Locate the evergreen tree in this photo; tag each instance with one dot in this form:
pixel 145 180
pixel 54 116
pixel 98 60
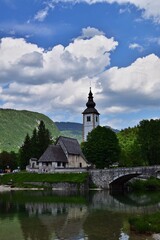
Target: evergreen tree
pixel 25 152
pixel 34 146
pixel 102 147
pixel 44 138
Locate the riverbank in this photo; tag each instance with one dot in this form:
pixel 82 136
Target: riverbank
pixel 71 181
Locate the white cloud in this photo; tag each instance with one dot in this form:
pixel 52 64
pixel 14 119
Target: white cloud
pixel 57 81
pixel 136 46
pixel 27 29
pixel 90 32
pixel 135 87
pixel 150 8
pixel 25 62
pixel 154 40
pixel 42 14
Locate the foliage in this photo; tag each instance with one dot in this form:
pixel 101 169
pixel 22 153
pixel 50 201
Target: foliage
pixel 130 148
pixel 8 160
pixel 14 125
pixel 102 147
pixel 34 146
pixel 151 184
pixel 149 140
pixel 20 178
pixel 146 223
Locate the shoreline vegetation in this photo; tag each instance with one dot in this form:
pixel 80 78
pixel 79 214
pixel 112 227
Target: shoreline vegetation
pixel 148 223
pixel 24 180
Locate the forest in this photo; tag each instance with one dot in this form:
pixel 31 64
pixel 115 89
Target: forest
pixel 104 148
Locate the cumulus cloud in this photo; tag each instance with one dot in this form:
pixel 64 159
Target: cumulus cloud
pixel 42 80
pixel 90 32
pixel 56 81
pixel 150 8
pixel 134 87
pixel 25 62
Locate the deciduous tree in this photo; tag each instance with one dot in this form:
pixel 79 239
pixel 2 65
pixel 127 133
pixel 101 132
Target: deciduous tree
pixel 102 147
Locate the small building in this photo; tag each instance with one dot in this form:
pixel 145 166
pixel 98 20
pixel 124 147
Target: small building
pixel 66 154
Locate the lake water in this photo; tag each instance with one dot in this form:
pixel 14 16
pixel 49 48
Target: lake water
pixel 58 215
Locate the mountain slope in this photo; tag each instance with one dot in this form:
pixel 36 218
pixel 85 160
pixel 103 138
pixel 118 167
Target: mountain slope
pixel 14 125
pixel 70 129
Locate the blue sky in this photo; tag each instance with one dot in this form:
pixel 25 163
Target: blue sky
pixel 52 51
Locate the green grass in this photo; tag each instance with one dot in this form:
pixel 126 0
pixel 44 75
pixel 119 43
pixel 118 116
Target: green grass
pixel 14 125
pixel 146 224
pixel 151 184
pixel 19 179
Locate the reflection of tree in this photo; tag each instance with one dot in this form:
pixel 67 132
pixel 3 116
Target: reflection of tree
pixel 33 229
pixel 70 227
pixel 103 225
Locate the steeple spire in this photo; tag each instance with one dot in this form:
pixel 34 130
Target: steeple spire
pixel 90 103
pixel 90 116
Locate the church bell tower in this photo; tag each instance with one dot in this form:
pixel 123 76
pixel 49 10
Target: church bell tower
pixel 90 116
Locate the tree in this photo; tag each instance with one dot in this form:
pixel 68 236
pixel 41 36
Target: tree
pixel 102 147
pixel 34 146
pixel 8 160
pixel 149 140
pixel 25 152
pixel 44 138
pixel 130 148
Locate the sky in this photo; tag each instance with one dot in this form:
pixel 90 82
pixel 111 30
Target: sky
pixel 53 51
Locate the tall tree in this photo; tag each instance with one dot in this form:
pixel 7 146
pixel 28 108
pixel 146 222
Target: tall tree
pixel 102 147
pixel 34 144
pixel 130 148
pixel 149 140
pixel 25 152
pixel 44 138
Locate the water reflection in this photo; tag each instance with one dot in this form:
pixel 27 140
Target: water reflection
pixel 40 215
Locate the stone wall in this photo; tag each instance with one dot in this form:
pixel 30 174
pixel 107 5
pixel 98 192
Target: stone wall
pixel 61 186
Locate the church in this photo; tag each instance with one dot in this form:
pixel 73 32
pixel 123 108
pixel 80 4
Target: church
pixel 66 154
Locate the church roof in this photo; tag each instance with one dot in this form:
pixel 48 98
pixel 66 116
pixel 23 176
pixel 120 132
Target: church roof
pixel 53 153
pixel 71 145
pixel 90 105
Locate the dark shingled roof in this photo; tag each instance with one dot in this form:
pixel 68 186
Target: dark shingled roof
pixel 53 153
pixel 90 110
pixel 71 144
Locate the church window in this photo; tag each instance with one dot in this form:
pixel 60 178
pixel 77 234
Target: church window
pixel 96 119
pixel 88 118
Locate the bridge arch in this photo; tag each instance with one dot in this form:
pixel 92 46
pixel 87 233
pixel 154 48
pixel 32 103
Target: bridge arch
pixel 119 182
pixel 117 177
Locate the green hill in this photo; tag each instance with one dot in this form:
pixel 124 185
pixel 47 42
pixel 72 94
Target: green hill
pixel 70 129
pixel 14 125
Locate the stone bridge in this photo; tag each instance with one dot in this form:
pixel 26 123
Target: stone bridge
pixel 115 178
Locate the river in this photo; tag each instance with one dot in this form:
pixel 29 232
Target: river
pixel 58 215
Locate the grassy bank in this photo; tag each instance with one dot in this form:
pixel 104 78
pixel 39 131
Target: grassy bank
pixel 151 184
pixel 146 224
pixel 19 179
